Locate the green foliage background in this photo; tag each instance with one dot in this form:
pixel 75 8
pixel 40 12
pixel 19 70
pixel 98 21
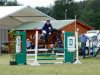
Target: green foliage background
pixel 87 11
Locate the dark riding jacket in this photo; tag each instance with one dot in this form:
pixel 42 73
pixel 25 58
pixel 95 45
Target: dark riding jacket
pixel 47 28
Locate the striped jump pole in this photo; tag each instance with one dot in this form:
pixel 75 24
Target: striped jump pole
pixel 77 53
pixel 36 49
pixel 50 57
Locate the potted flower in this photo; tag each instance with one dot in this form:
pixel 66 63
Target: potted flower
pixel 12 47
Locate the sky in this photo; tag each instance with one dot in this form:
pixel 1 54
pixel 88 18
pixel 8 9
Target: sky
pixel 35 3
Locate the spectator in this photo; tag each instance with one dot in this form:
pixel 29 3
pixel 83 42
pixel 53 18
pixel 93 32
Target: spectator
pixel 29 45
pixel 60 43
pixel 83 40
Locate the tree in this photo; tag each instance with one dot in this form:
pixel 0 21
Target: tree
pixel 90 12
pixel 61 5
pixel 8 3
pixel 2 3
pixel 95 6
pixel 45 10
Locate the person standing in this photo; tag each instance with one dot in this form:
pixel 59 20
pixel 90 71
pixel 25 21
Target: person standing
pixel 29 45
pixel 60 43
pixel 83 40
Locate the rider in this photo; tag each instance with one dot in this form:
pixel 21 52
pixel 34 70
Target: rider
pixel 47 29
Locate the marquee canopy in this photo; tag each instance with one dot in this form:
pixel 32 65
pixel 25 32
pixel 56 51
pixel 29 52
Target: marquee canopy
pixel 12 16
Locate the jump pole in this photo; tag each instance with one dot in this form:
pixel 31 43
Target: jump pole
pixel 76 38
pixel 77 53
pixel 36 49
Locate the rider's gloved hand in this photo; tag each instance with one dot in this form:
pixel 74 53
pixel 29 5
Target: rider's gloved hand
pixel 49 32
pixel 44 32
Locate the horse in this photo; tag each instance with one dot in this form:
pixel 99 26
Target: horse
pixel 51 40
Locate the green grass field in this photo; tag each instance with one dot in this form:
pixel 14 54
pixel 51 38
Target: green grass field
pixel 89 66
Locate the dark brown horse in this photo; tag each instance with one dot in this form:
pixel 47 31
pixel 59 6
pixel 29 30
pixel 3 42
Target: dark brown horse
pixel 52 39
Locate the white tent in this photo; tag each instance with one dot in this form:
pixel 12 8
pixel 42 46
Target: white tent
pixel 12 16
